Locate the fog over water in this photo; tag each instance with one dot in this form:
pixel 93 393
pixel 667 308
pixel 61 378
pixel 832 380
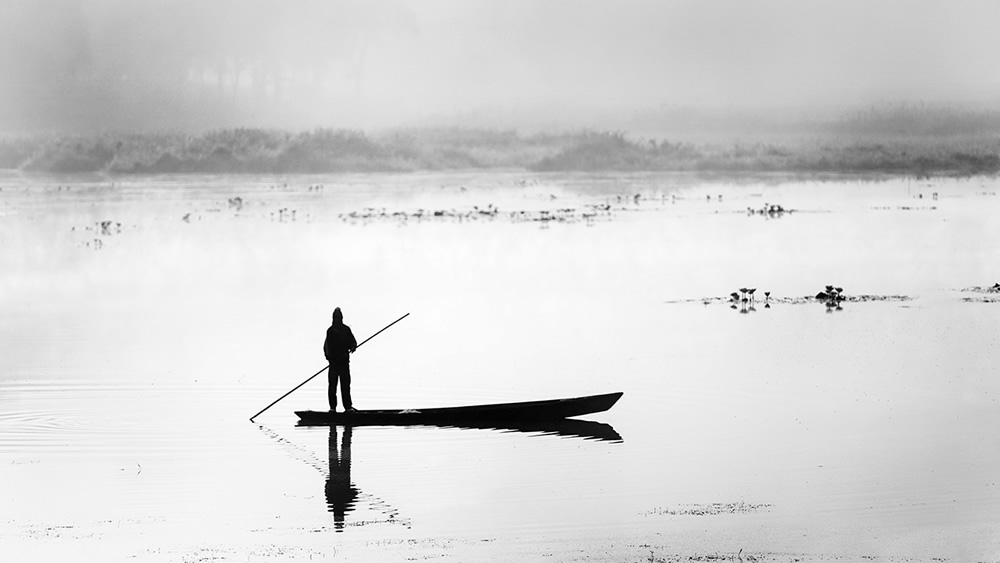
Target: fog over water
pixel 144 323
pixel 168 268
pixel 182 64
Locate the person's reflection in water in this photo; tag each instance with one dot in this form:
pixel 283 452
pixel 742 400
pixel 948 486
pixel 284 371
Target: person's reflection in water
pixel 340 493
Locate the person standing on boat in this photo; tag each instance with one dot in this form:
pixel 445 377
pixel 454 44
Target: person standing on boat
pixel 337 348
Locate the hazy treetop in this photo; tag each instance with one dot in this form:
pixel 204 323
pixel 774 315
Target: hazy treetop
pixel 86 64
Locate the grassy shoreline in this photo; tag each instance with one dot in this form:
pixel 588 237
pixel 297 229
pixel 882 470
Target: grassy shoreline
pixel 895 141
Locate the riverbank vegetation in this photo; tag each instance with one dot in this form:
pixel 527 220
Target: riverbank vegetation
pixel 893 139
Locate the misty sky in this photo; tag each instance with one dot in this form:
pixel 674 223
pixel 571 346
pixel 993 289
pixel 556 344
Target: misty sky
pixel 185 63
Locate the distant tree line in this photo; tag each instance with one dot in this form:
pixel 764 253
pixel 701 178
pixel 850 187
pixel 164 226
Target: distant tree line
pixel 82 62
pixel 262 151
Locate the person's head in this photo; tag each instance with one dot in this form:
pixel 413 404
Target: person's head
pixel 338 316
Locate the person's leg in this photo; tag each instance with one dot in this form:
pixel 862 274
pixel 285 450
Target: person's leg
pixel 345 386
pixel 331 389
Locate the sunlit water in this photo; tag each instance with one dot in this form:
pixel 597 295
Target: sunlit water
pixel 145 320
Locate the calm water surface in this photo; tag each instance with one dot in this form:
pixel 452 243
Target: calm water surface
pixel 144 320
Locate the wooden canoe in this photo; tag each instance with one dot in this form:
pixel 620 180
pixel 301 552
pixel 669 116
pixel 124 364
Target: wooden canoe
pixel 492 414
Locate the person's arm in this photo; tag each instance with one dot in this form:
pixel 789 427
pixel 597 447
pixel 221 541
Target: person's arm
pixel 354 342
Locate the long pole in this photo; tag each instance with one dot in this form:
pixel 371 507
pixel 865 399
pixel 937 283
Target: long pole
pixel 324 369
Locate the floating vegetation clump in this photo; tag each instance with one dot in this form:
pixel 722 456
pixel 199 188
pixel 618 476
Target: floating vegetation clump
pixel 98 231
pixel 905 208
pixel 832 297
pixel 990 289
pixel 987 294
pixel 745 300
pixel 769 210
pixel 712 509
pixel 587 214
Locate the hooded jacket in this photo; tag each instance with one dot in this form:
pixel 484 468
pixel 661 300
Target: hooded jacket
pixel 340 340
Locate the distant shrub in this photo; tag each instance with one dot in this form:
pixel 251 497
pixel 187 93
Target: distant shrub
pixel 600 151
pixel 325 150
pixel 870 147
pixel 14 153
pixel 72 156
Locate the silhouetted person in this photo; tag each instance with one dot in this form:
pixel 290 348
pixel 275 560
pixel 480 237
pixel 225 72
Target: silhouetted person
pixel 339 345
pixel 340 494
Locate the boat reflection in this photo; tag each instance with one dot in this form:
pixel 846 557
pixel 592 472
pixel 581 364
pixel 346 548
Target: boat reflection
pixel 342 496
pixel 567 427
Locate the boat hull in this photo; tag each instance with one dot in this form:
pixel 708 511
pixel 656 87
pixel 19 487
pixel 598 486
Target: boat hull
pixel 508 413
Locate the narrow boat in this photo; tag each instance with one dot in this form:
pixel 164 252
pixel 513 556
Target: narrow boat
pixel 505 413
